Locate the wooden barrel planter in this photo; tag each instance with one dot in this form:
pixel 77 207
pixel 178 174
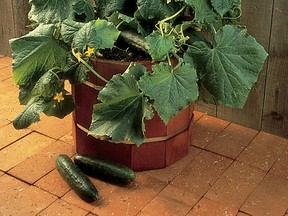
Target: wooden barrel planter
pixel 164 144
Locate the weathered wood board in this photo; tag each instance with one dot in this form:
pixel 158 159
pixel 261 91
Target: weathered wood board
pixel 275 115
pixel 13 22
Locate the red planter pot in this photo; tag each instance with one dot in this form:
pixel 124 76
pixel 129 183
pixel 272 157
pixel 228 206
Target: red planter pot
pixel 165 144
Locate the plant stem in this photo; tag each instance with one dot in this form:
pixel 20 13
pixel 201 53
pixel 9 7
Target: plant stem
pixel 173 16
pixel 119 24
pixel 234 18
pixel 89 67
pixel 179 59
pixel 161 22
pixel 93 71
pixel 191 46
pixel 169 60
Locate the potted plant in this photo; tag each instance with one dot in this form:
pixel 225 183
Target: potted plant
pixel 178 51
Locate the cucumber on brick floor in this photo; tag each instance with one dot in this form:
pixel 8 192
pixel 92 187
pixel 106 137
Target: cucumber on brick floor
pixel 76 179
pixel 96 167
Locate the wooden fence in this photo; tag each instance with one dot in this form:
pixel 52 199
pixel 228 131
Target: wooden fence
pixel 13 20
pixel 267 20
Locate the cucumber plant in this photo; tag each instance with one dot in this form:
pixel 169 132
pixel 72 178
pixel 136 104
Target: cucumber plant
pixel 217 60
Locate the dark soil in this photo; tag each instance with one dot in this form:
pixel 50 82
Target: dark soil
pixel 124 54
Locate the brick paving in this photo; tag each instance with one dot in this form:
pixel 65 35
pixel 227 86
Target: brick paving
pixel 230 171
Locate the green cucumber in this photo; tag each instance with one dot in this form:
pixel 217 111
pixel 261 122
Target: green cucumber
pixel 76 179
pixel 135 40
pixel 104 169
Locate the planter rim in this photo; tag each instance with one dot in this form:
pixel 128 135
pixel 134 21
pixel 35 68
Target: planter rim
pixel 119 62
pixel 147 139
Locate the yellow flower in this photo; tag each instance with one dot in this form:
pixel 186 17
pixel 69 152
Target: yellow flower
pixel 198 29
pixel 59 97
pixel 90 51
pixel 78 55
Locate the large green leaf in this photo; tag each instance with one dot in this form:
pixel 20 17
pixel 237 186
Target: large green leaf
pixel 53 11
pixel 105 8
pixel 122 111
pixel 36 53
pixel 50 107
pixel 137 70
pixel 222 6
pixel 30 114
pixel 203 11
pixel 50 11
pixel 60 109
pixel 25 93
pixel 98 34
pixel 69 28
pixel 128 21
pixel 156 9
pixel 83 7
pixel 230 67
pixel 47 85
pixel 171 90
pixel 75 71
pixel 159 46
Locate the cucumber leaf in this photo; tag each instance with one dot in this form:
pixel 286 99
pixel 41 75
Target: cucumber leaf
pixel 137 70
pixel 84 7
pixel 159 46
pixel 35 53
pixel 204 12
pixel 50 11
pixel 69 28
pixel 171 89
pixel 117 18
pixel 121 114
pixel 25 93
pixel 54 11
pixel 107 7
pixel 30 114
pixel 222 7
pixel 61 109
pixel 229 68
pixel 98 34
pixel 47 85
pixel 75 72
pixel 156 9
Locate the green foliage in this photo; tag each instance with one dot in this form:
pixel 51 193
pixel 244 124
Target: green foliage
pixel 84 7
pixel 50 11
pixel 98 34
pixel 122 111
pixel 160 46
pixel 222 7
pixel 204 12
pixel 230 67
pixel 34 49
pixel 171 89
pixel 106 8
pixel 199 50
pixel 30 114
pixel 156 9
pixel 60 110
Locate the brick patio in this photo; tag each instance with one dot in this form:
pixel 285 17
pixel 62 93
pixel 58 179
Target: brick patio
pixel 230 170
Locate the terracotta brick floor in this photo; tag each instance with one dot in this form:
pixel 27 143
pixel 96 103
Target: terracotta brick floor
pixel 230 170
